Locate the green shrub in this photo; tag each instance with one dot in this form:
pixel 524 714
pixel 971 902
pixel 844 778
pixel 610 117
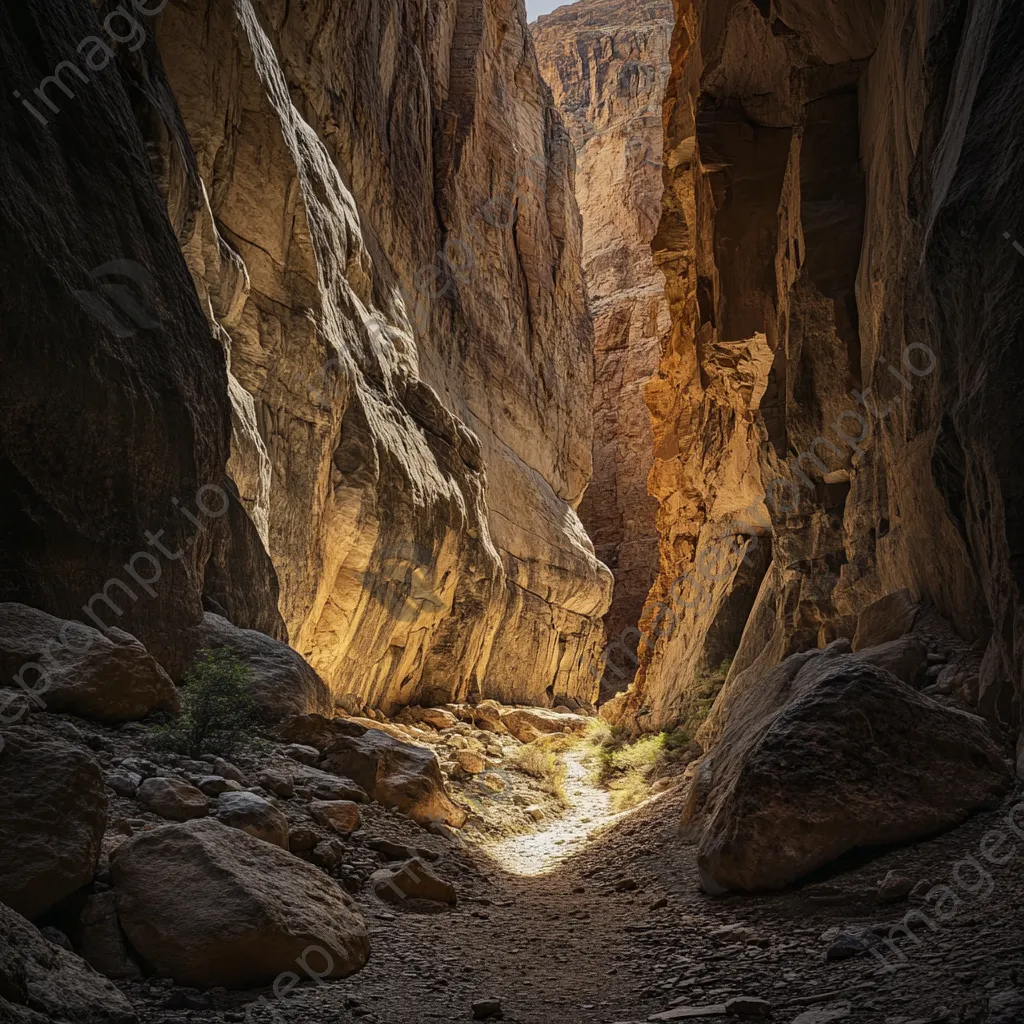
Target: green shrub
pixel 217 713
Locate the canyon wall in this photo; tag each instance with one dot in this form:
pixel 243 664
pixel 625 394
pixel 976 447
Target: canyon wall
pixel 375 203
pixel 607 62
pixel 834 413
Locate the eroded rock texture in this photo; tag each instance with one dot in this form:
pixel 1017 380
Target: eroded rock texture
pixel 834 414
pixel 607 62
pixel 375 203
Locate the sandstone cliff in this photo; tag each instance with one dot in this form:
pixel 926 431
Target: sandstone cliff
pixel 607 62
pixel 844 304
pixel 375 202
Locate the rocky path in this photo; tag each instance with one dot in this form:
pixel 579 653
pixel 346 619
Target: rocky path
pixel 616 931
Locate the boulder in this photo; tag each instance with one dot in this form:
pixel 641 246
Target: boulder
pixel 101 942
pixel 173 799
pixel 437 718
pixel 214 785
pixel 213 906
pixel 301 753
pixel 338 815
pixel 279 783
pixel 316 731
pixel 395 774
pixel 906 658
pixel 282 682
pixel 413 880
pixel 108 676
pixel 526 724
pixel 254 815
pixel 470 761
pixel 886 619
pixel 53 809
pixel 39 976
pixel 835 755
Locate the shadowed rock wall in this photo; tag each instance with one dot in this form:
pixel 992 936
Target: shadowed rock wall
pixel 607 62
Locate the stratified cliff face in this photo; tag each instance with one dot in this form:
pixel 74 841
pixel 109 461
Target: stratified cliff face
pixel 607 62
pixel 835 412
pixel 375 202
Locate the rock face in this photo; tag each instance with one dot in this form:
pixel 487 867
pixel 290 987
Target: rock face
pixel 215 906
pixel 406 333
pixel 57 985
pixel 319 361
pixel 834 410
pixel 607 62
pixel 71 667
pixel 829 753
pixel 53 811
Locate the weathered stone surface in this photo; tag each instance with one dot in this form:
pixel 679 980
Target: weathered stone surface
pixel 71 667
pixel 607 62
pixel 100 941
pixel 254 815
pixel 831 425
pixel 281 682
pixel 338 815
pixel 215 906
pixel 413 880
pixel 419 506
pixel 886 619
pixel 173 799
pixel 395 774
pixel 830 753
pixel 53 809
pixel 50 983
pixel 528 723
pixel 438 718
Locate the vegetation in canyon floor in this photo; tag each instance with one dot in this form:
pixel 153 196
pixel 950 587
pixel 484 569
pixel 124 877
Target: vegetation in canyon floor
pixel 217 713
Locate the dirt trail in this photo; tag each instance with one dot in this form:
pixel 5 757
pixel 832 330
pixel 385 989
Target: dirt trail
pixel 590 809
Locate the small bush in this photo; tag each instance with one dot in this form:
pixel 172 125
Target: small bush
pixel 539 760
pixel 217 713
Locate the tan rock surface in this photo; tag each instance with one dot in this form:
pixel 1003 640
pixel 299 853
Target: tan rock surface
pixel 831 425
pixel 215 906
pixel 607 62
pixel 408 442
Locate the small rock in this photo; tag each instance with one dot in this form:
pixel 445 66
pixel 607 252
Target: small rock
pixel 851 944
pixel 921 889
pixel 302 753
pixel 747 1006
pixel 172 799
pixel 626 885
pixel 227 770
pixel 301 840
pixel 824 1014
pixel 894 887
pixel 486 1009
pixel 470 761
pixel 214 785
pixel 123 783
pixel 495 783
pixel 329 854
pixel 57 937
pixel 535 811
pixel 279 783
pixel 339 815
pixel 253 814
pixel 412 880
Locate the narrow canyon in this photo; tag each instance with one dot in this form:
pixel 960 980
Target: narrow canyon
pixel 511 511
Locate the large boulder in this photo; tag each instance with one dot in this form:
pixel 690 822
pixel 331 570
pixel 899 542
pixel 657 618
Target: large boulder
pixel 526 724
pixel 282 682
pixel 100 941
pixel 71 667
pixel 831 753
pixel 41 981
pixel 886 619
pixel 395 774
pixel 214 906
pixel 53 809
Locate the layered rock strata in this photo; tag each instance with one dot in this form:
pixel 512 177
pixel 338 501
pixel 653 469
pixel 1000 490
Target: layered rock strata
pixel 833 413
pixel 607 62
